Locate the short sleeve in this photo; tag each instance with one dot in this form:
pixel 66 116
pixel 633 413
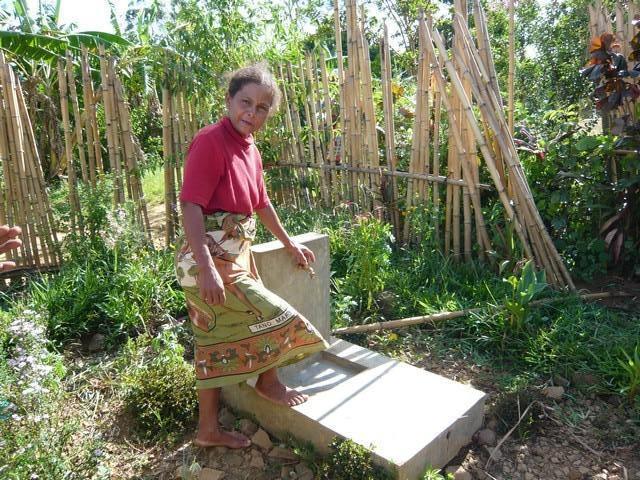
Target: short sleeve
pixel 263 198
pixel 204 167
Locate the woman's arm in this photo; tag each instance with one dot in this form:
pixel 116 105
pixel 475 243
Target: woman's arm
pixel 209 281
pixel 269 218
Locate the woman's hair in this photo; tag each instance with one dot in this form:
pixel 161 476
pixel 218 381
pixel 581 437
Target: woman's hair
pixel 256 73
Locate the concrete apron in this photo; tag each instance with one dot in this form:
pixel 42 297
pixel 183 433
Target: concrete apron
pixel 409 418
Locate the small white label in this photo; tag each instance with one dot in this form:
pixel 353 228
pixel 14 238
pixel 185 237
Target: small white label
pixel 274 322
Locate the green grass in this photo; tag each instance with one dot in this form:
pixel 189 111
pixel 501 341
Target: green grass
pixel 153 186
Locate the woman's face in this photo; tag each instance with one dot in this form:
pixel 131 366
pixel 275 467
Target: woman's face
pixel 249 108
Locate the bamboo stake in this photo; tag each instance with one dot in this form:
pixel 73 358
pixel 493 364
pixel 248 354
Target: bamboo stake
pixel 16 146
pixel 169 183
pixel 436 158
pixel 74 200
pixel 314 131
pixel 438 317
pixel 328 115
pixel 89 114
pixel 112 137
pixel 133 172
pixel 77 119
pixel 547 254
pixel 416 176
pixel 512 65
pixel 47 232
pixel 390 145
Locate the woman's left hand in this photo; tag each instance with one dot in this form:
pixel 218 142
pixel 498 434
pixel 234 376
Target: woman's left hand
pixel 302 256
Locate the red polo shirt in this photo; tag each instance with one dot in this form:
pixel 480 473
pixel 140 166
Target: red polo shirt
pixel 223 171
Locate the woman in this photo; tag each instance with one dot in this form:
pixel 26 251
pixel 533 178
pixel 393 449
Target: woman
pixel 241 328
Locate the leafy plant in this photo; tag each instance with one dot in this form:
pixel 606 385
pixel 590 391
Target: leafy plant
pixel 631 366
pixel 435 474
pixel 368 258
pixel 158 386
pixel 523 290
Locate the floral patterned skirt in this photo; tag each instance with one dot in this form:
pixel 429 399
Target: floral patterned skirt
pixel 255 330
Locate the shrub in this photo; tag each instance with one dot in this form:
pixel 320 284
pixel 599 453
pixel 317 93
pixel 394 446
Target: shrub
pixel 158 386
pixel 38 439
pixel 112 281
pixel 369 258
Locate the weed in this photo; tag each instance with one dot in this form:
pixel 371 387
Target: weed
pixel 523 290
pixel 350 461
pixel 435 474
pixel 630 385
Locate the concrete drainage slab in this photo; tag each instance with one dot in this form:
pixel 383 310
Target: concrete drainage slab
pixel 409 418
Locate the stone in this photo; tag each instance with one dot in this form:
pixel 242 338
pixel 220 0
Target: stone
pixel 458 472
pixel 96 343
pixel 283 454
pixel 226 418
pixel 554 393
pixel 286 471
pixel 247 427
pixel 560 381
pixel 530 476
pixel 574 474
pixel 491 423
pixel 261 439
pixel 256 460
pixel 211 474
pixel 486 436
pixel 234 460
pixel 302 470
pixel 584 379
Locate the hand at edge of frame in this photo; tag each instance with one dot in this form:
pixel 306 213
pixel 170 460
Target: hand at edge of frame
pixel 8 241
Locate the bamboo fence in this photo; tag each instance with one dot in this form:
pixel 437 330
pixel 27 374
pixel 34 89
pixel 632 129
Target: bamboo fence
pixel 179 125
pixel 24 200
pixel 83 136
pixel 342 156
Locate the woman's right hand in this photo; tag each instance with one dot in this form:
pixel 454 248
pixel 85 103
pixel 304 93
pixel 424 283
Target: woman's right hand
pixel 211 286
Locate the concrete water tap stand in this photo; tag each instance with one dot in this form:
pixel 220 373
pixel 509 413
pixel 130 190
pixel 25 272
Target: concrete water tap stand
pixel 409 418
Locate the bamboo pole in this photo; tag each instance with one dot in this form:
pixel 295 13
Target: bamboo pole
pixel 291 147
pixel 436 158
pixel 74 200
pixel 47 232
pixel 416 176
pixel 15 132
pixel 523 200
pixel 512 65
pixel 439 317
pixel 334 192
pixel 111 130
pixel 133 172
pixel 390 144
pixel 297 131
pixel 314 131
pixel 89 114
pixel 77 118
pixel 169 182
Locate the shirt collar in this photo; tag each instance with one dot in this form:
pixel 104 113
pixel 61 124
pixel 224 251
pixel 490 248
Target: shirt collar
pixel 243 141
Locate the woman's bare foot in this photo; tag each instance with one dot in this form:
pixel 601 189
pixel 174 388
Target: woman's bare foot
pixel 222 438
pixel 270 387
